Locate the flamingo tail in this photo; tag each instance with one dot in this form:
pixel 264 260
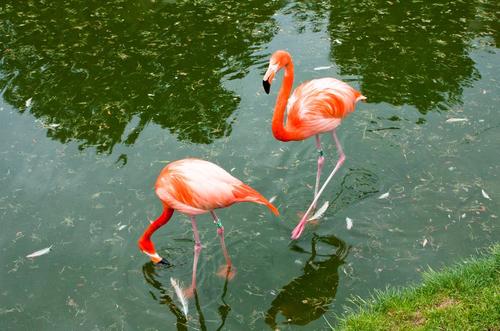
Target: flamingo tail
pixel 271 207
pixel 248 194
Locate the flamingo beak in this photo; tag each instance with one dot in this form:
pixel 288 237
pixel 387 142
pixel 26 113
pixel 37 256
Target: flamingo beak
pixel 156 259
pixel 269 76
pixel 267 86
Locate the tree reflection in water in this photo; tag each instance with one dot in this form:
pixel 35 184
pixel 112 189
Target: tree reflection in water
pixel 91 68
pixel 406 52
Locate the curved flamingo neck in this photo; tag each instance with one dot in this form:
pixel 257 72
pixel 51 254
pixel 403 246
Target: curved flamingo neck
pixel 279 130
pixel 160 221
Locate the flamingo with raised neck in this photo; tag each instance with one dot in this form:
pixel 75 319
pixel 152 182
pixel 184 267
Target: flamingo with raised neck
pixel 315 107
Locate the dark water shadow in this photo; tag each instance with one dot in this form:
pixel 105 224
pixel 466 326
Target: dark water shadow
pixel 357 185
pixel 151 276
pixel 99 72
pixel 307 297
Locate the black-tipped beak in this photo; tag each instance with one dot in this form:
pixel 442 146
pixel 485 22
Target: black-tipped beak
pixel 267 86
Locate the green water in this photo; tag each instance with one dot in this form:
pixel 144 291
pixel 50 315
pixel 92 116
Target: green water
pixel 96 99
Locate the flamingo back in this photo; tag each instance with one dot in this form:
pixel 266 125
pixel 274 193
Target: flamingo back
pixel 194 186
pixel 319 105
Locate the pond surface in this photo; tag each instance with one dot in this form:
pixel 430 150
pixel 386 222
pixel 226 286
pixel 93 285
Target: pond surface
pixel 97 99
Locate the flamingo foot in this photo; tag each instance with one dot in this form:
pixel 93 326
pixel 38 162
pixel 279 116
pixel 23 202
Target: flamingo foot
pixel 314 222
pixel 189 292
pixel 298 229
pixel 226 271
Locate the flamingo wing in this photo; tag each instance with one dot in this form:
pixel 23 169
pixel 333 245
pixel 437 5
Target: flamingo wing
pixel 194 186
pixel 319 105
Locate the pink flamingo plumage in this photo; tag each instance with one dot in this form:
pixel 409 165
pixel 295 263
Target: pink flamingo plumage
pixel 315 107
pixel 194 187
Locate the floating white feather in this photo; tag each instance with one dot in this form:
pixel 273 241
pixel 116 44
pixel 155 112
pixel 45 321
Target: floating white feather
pixel 384 196
pixel 485 195
pixel 272 198
pixel 180 295
pixel 322 68
pixel 348 222
pixel 454 120
pixel 317 215
pixel 40 252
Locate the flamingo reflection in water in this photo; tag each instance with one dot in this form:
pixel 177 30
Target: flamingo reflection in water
pixel 151 276
pixel 307 297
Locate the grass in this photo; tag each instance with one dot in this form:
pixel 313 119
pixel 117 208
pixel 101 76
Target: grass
pixel 463 297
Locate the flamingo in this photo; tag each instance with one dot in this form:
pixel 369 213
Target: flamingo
pixel 315 107
pixel 193 187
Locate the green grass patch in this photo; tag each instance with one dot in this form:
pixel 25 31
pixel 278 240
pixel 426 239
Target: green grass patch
pixel 463 297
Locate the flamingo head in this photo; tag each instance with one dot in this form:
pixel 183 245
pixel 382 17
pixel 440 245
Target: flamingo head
pixel 147 247
pixel 278 60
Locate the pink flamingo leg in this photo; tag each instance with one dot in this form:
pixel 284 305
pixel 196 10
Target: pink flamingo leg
pixel 197 249
pixel 300 227
pixel 225 271
pixel 321 161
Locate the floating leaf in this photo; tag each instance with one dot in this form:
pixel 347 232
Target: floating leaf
pixel 485 195
pixel 384 196
pixel 319 212
pixel 180 295
pixel 348 222
pixel 454 120
pixel 40 252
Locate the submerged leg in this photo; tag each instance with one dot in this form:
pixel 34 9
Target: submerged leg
pixel 225 271
pixel 145 243
pixel 300 227
pixel 321 161
pixel 197 249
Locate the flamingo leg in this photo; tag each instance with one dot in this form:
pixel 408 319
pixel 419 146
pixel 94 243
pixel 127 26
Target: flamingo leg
pixel 300 227
pixel 197 249
pixel 226 271
pixel 321 161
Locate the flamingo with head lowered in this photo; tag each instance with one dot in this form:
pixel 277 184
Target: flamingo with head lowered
pixel 315 107
pixel 194 187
